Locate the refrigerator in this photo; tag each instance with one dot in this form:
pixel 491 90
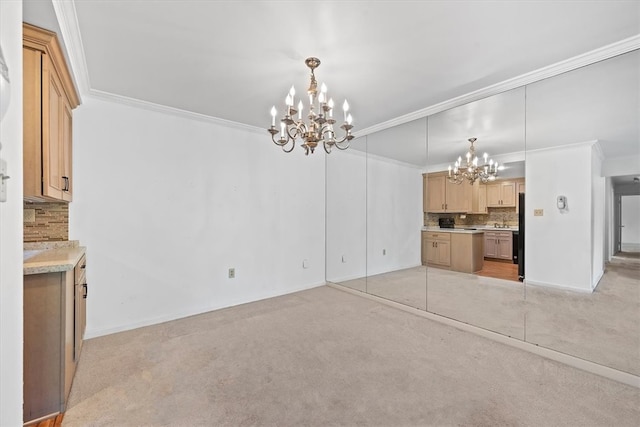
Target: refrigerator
pixel 521 237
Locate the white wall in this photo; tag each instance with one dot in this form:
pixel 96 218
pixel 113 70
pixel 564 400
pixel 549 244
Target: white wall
pixel 165 205
pixel 609 220
pixel 394 215
pixel 373 204
pixel 11 223
pixel 346 215
pixel 556 244
pixel 597 216
pixel 631 222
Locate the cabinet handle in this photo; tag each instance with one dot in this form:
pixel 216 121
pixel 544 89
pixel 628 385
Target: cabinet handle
pixel 83 266
pixel 86 291
pixel 66 183
pixel 443 206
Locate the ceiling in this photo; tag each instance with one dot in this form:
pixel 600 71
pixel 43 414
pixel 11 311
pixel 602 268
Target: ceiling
pixel 393 60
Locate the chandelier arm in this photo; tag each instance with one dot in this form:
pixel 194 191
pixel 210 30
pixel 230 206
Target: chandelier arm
pixel 341 145
pixel 327 147
pixel 279 142
pixel 293 145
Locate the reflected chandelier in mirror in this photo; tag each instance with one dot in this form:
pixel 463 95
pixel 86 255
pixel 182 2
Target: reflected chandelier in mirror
pixel 471 171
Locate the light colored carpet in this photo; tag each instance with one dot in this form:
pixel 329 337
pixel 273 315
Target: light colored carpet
pixel 602 327
pixel 324 357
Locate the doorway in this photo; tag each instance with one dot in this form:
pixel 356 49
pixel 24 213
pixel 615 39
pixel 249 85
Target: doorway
pixel 629 224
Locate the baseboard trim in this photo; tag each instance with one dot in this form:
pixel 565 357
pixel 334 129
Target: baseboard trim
pixel 95 333
pixel 575 362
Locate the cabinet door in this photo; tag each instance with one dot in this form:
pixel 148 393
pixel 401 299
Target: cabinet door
pixel 65 154
pixel 505 248
pixel 443 250
pixel 458 197
pixel 482 199
pixel 436 194
pixel 490 245
pixel 43 350
pixel 52 123
pixel 79 319
pixel 425 251
pixel 508 194
pixel 494 195
pixel 432 252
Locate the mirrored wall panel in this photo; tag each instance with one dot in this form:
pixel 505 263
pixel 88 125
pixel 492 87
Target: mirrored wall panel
pixel 396 159
pixel 346 216
pixel 545 247
pixel 472 201
pixel 583 151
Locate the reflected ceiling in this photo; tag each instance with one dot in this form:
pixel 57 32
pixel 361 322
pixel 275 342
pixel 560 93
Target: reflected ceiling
pixel 234 59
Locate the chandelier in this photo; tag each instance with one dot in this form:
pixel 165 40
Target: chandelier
pixel 471 171
pixel 319 126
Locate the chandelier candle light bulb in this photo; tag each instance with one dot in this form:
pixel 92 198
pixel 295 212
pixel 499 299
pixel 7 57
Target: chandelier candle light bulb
pixel 319 127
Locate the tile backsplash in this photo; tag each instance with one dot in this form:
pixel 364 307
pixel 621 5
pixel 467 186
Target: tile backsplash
pixel 45 222
pixel 508 215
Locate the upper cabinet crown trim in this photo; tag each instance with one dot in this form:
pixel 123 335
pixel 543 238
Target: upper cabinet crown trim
pixel 47 42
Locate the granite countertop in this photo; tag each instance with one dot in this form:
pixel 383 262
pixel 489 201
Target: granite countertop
pixel 51 257
pixel 467 229
pixel 453 230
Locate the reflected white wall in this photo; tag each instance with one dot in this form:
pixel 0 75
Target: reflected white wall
pixel 559 245
pixel 394 215
pixel 346 193
pixel 597 216
pixel 630 206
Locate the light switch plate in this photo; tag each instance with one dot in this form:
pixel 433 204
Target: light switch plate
pixel 538 212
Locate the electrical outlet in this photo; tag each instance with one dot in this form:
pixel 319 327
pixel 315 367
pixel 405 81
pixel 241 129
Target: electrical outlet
pixel 538 212
pixel 232 273
pixel 344 258
pixel 384 252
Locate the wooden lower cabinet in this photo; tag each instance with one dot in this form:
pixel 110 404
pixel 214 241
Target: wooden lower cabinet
pixel 498 245
pixel 453 250
pixel 437 248
pixel 467 252
pixel 54 322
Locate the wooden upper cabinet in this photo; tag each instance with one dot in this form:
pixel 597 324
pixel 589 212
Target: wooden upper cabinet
pixel 501 194
pixel 49 98
pixel 435 193
pixel 479 198
pixel 459 196
pixel 443 196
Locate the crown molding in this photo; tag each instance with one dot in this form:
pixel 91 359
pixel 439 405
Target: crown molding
pixel 606 52
pixel 591 143
pixel 68 20
pixel 159 108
